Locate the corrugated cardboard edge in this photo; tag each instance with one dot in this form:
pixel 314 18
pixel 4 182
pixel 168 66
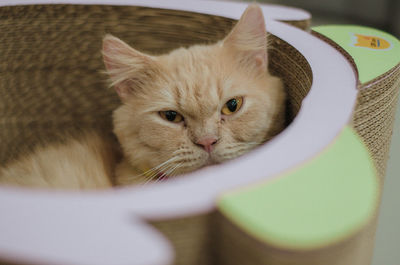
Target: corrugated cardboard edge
pixel 373 120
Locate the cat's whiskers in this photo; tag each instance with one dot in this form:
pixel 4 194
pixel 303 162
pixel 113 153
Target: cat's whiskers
pixel 158 175
pixel 170 172
pixel 164 169
pixel 151 173
pixel 172 159
pixel 173 174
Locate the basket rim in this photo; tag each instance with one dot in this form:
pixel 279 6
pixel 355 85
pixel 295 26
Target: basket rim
pixel 225 9
pixel 327 109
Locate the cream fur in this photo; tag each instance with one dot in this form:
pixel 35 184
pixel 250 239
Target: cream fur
pixel 195 82
pixel 87 163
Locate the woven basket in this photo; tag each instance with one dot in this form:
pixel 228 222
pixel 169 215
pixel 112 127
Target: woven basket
pixel 51 81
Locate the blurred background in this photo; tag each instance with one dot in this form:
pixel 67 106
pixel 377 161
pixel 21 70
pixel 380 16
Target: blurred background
pixel 383 15
pixel 380 14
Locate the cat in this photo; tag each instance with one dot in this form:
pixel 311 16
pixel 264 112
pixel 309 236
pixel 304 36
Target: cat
pixel 180 111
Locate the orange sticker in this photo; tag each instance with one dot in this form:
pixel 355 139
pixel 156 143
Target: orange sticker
pixel 370 42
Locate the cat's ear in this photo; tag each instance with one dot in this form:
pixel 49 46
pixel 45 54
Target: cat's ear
pixel 248 39
pixel 128 68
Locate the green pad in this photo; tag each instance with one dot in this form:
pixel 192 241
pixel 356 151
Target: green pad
pixel 374 52
pixel 322 202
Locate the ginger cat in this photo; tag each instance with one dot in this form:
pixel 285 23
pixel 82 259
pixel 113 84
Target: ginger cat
pixel 181 111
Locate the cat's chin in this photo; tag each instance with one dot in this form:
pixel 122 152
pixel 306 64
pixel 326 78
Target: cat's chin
pixel 211 161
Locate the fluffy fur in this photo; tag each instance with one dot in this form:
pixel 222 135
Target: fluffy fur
pixel 195 82
pixel 79 164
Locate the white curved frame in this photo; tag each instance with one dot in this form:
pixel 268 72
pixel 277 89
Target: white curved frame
pixel 106 227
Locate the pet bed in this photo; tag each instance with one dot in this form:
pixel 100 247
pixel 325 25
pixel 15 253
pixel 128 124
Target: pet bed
pixel 309 196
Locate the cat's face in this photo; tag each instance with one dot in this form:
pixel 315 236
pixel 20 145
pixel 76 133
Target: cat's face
pixel 195 106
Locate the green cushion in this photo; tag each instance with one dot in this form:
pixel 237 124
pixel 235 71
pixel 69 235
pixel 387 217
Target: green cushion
pixel 321 202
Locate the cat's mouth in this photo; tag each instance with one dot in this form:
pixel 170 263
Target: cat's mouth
pixel 209 161
pixel 162 176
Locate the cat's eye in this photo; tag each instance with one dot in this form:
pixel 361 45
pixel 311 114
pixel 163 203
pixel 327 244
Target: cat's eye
pixel 171 116
pixel 232 106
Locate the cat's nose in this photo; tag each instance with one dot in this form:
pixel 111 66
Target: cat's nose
pixel 207 143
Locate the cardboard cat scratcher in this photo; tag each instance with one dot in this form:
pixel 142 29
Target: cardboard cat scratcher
pixel 310 196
